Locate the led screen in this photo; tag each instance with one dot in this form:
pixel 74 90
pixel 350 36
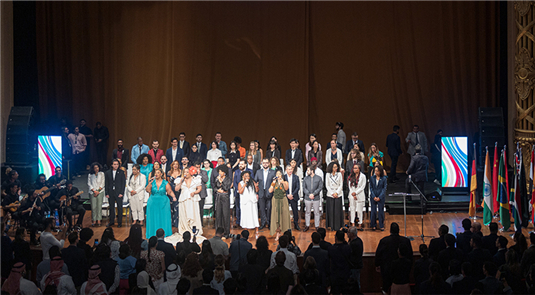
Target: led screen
pixel 454 161
pixel 49 154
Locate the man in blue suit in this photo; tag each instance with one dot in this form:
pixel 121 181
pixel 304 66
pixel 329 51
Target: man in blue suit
pixel 201 147
pixel 263 179
pixel 292 193
pixel 174 153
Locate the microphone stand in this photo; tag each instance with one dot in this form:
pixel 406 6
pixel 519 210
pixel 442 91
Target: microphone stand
pixel 422 199
pixel 404 195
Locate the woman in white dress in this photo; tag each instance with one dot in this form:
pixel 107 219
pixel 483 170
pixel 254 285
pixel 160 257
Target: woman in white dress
pixel 248 202
pixel 357 183
pixel 188 202
pixel 95 182
pixel 135 189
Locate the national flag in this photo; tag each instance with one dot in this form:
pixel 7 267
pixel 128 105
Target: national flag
pixel 505 216
pixel 512 196
pixel 505 169
pixel 495 200
pixel 487 192
pixel 473 186
pixel 522 191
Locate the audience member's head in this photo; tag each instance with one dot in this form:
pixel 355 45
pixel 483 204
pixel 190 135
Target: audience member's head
pixel 124 251
pixel 490 269
pixel 107 236
pixel 280 258
pixel 394 228
pixel 352 233
pixel 283 241
pixel 493 227
pixel 310 263
pixel 455 267
pixel 207 276
pixel 502 242
pixel 476 242
pixel 245 234
pixel 404 251
pixel 230 286
pixel 476 227
pixel 316 238
pixel 86 234
pixel 141 264
pixel 450 240
pixel 160 233
pixel 323 232
pixel 467 224
pixel 102 252
pixel 219 231
pixel 424 251
pixel 252 256
pixel 511 257
pixel 310 276
pixel 183 286
pixel 73 238
pixel 262 244
pixel 443 229
pixel 186 236
pixel 54 251
pixel 191 266
pixel 339 236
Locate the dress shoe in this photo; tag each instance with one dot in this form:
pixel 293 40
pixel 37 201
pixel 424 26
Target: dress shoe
pixel 262 227
pixel 119 225
pixel 373 228
pixel 306 229
pixel 297 227
pixel 110 224
pixel 383 229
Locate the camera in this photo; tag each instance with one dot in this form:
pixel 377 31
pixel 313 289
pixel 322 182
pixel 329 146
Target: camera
pixel 194 230
pixel 345 229
pixel 234 236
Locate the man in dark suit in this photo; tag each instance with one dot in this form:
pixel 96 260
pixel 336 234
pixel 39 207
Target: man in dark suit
pixel 206 289
pixel 263 179
pixel 201 147
pixel 438 244
pixel 357 249
pixel 252 166
pixel 393 143
pixel 489 242
pixel 292 193
pixel 499 257
pixel 166 166
pixel 203 194
pixel 115 184
pixel 417 170
pixel 448 254
pixel 387 252
pixel 491 285
pixel 463 239
pixel 294 153
pixel 121 153
pixel 340 269
pixel 75 260
pixel 351 143
pixel 166 248
pixel 478 256
pixel 155 152
pixel 321 256
pixel 183 144
pixel 174 153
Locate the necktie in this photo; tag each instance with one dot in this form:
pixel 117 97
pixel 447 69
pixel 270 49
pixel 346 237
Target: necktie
pixel 417 141
pixel 140 149
pixel 198 145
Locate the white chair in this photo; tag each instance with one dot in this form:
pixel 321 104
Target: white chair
pixel 208 203
pixel 231 198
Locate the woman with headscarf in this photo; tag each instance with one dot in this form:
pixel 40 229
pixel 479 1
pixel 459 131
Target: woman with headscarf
pixel 93 286
pixel 143 286
pixel 188 202
pixel 173 275
pixel 17 284
pixel 57 280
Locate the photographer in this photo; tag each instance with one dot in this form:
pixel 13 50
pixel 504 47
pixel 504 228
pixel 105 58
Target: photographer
pixel 292 246
pixel 238 251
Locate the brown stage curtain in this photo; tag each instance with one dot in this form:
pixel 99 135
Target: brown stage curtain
pixel 257 69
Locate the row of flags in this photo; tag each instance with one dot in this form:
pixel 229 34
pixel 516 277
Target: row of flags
pixel 500 196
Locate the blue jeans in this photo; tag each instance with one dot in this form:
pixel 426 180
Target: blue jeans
pixel 377 208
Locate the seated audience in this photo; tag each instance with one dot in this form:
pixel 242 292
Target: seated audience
pixel 172 274
pixel 206 288
pixel 93 286
pixel 75 260
pixel 127 266
pixel 17 284
pixel 21 249
pixel 155 262
pixel 193 271
pixel 220 275
pixel 55 281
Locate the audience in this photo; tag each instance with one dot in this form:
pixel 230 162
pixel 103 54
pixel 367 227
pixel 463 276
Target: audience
pixel 338 255
pixel 206 288
pixel 252 273
pixel 421 267
pixel 468 283
pixel 321 257
pixel 520 245
pixel 193 271
pixel 93 286
pixel 478 256
pixel 166 248
pixel 490 284
pixel 135 240
pixel 455 272
pixel 108 238
pixel 206 258
pixel 110 273
pixel 357 249
pixel 528 258
pixel 172 275
pixel 448 254
pixel 323 244
pixel 489 242
pixel 17 284
pixel 55 281
pixel 218 245
pixel 127 266
pixel 463 239
pixel 511 272
pixel 85 235
pixel 44 266
pixel 155 262
pixel 238 252
pixel 264 254
pixel 220 275
pixel 279 274
pixel 435 284
pixel 401 270
pixel 184 248
pixel 438 244
pixel 499 257
pixel 75 260
pixel 290 261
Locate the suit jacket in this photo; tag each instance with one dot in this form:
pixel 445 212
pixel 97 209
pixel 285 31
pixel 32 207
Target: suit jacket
pixel 393 143
pixel 155 157
pixel 499 258
pixel 185 148
pixel 422 141
pixel 463 241
pixel 378 190
pixel 256 167
pixel 387 250
pixel 166 168
pixel 76 261
pixel 294 190
pixel 323 264
pixel 169 155
pixel 203 150
pixel 349 167
pixel 298 157
pixel 263 192
pixel 349 146
pixel 270 154
pixel 119 182
pixel 312 186
pixel 124 159
pixel 435 246
pixel 168 250
pixel 418 168
pixel 339 157
pixel 489 243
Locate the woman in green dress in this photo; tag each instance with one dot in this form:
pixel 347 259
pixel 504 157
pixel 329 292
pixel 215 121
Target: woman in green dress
pixel 280 212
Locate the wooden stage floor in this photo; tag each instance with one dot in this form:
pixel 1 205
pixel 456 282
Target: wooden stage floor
pixel 370 238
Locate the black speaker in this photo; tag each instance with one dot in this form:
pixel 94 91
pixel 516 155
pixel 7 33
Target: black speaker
pixel 20 140
pixel 434 196
pixel 491 131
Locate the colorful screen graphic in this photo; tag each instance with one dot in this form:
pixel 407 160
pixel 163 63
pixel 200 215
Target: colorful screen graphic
pixel 454 161
pixel 49 154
